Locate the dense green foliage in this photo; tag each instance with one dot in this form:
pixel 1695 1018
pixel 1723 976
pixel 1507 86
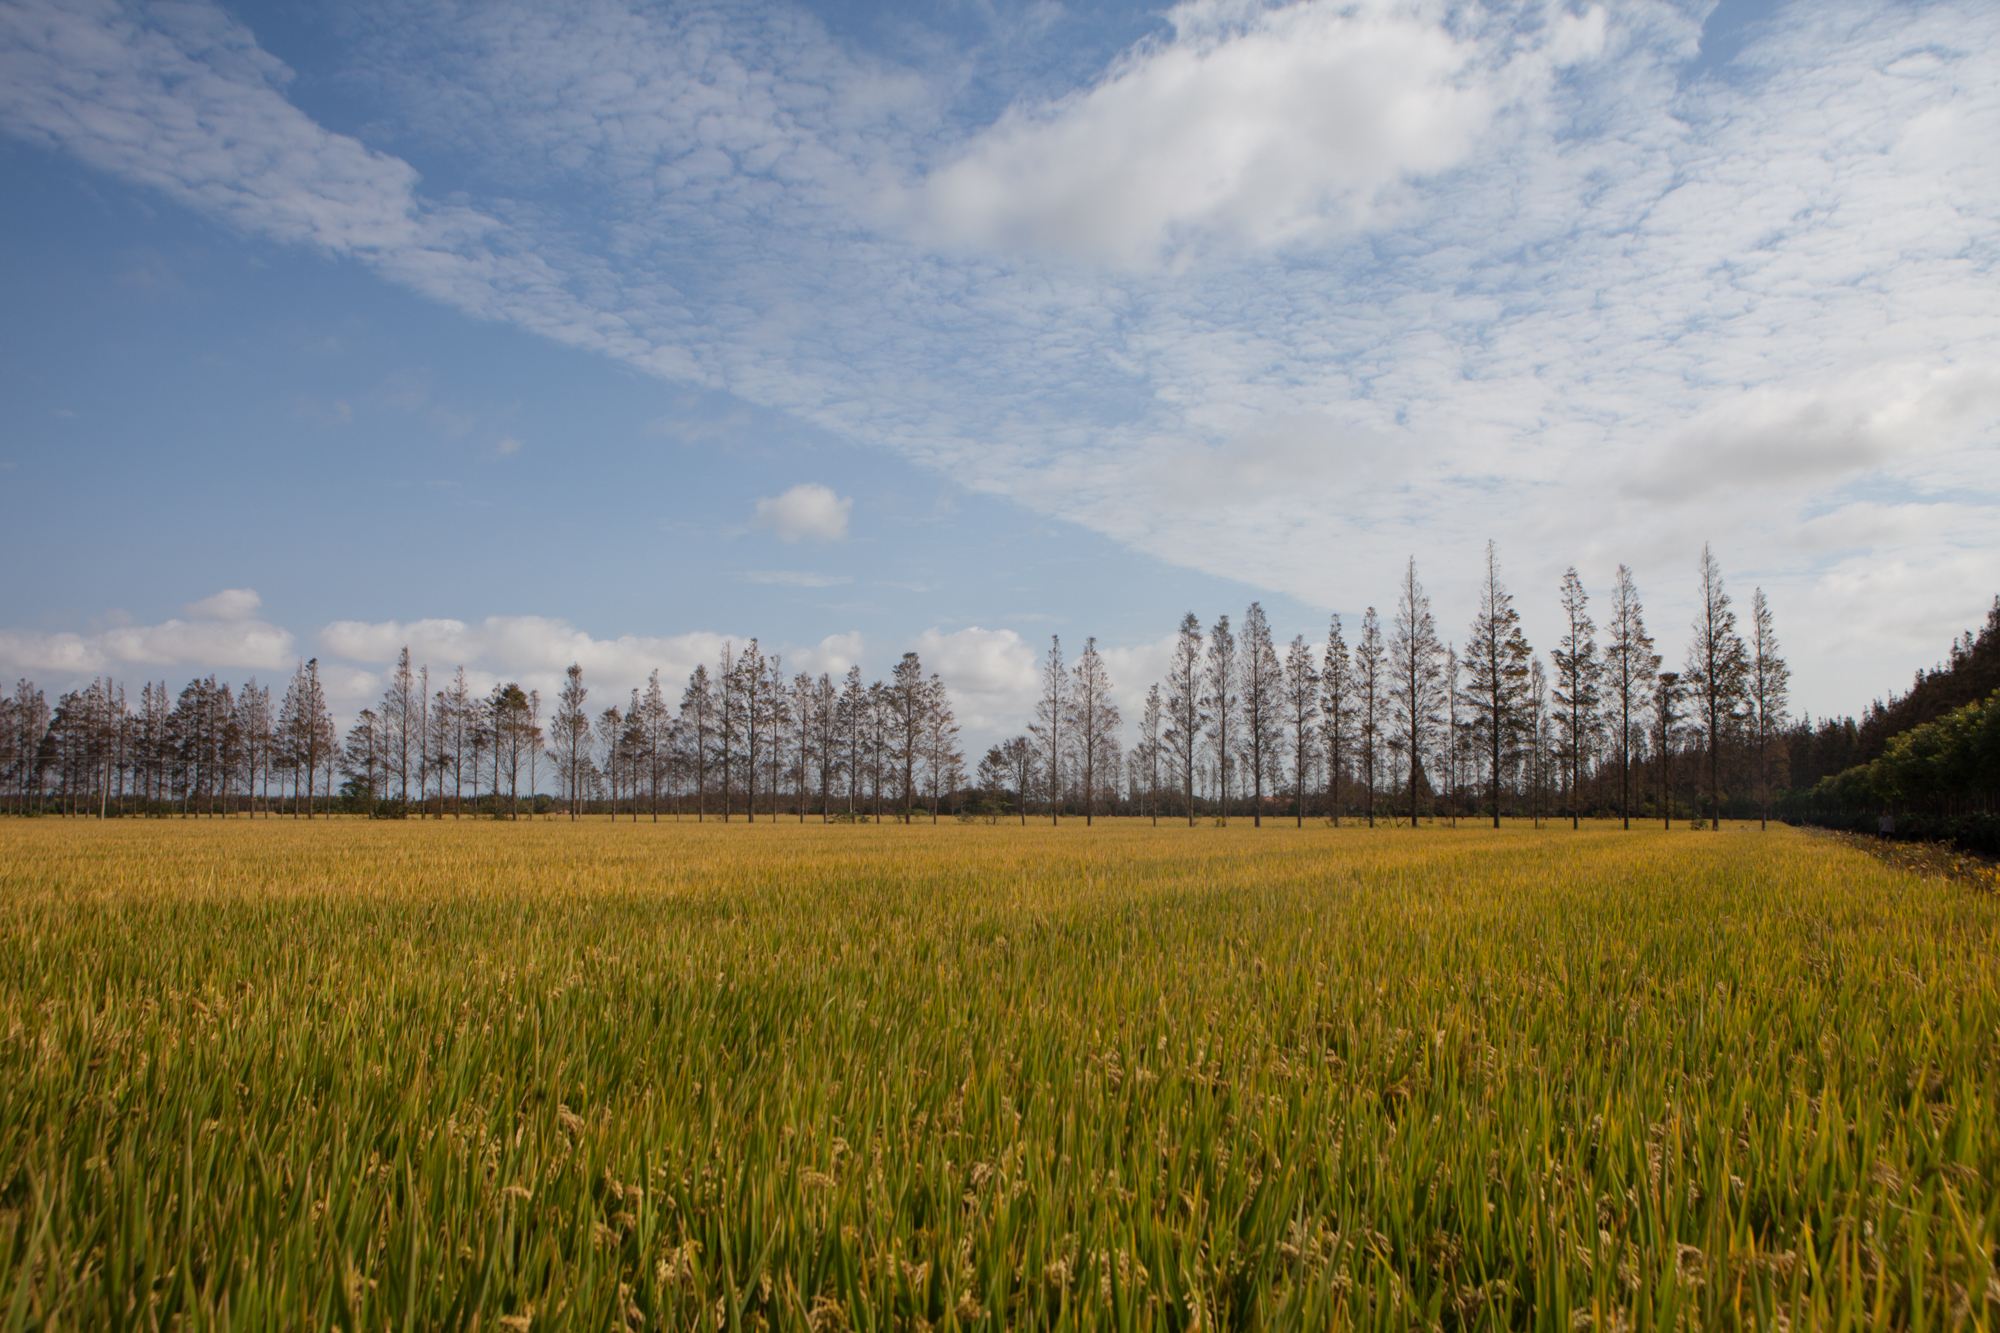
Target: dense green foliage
pixel 1940 778
pixel 605 1076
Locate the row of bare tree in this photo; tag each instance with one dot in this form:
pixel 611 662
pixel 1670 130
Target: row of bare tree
pixel 846 749
pixel 1404 715
pixel 93 753
pixel 742 738
pixel 1399 722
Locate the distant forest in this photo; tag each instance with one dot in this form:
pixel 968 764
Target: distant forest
pixel 1398 725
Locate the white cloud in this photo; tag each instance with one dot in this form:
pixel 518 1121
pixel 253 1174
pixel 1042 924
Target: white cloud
pixel 229 604
pixel 806 510
pixel 181 98
pixel 992 676
pixel 223 635
pixel 832 655
pixel 1251 124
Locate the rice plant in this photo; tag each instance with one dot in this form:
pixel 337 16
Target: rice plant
pixel 596 1076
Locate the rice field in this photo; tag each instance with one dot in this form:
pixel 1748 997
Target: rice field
pixel 553 1076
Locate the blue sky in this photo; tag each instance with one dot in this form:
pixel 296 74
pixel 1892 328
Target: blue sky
pixel 605 332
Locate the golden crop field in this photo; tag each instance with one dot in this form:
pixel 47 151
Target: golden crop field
pixel 549 1076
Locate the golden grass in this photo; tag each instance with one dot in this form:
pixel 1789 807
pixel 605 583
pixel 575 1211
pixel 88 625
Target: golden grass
pixel 549 1075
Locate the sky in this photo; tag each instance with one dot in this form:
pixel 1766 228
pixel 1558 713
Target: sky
pixel 524 334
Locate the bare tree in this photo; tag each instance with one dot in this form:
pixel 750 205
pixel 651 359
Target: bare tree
pixel 632 748
pixel 515 739
pixel 1371 688
pixel 307 730
pixel 569 730
pixel 398 720
pixel 367 751
pixel 254 720
pixel 1149 749
pixel 1497 657
pixel 443 744
pixel 698 728
pixel 1262 692
pixel 1769 694
pixel 826 726
pixel 1223 703
pixel 1051 720
pixel 728 721
pixel 1576 694
pixel 657 723
pixel 1453 736
pixel 1630 665
pixel 876 718
pixel 1336 680
pixel 1665 695
pixel 1301 700
pixel 1185 713
pixel 1716 667
pixel 610 735
pixel 752 689
pixel 155 753
pixel 1538 737
pixel 1416 658
pixel 804 696
pixel 854 726
pixel 766 716
pixel 478 742
pixel 906 699
pixel 528 723
pixel 944 761
pixel 1022 756
pixel 1093 724
pixel 425 755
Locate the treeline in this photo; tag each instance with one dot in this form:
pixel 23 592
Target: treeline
pixel 1924 765
pixel 1401 724
pixel 741 739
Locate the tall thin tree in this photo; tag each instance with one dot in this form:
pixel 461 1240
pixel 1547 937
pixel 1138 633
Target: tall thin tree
pixel 1301 697
pixel 698 731
pixel 1223 703
pixel 658 722
pixel 1050 727
pixel 1149 748
pixel 1093 724
pixel 1578 670
pixel 1416 658
pixel 1023 757
pixel 1666 693
pixel 1769 682
pixel 569 729
pixel 906 697
pixel 1186 715
pixel 1716 667
pixel 1262 693
pixel 1630 665
pixel 1496 661
pixel 1336 679
pixel 1371 686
